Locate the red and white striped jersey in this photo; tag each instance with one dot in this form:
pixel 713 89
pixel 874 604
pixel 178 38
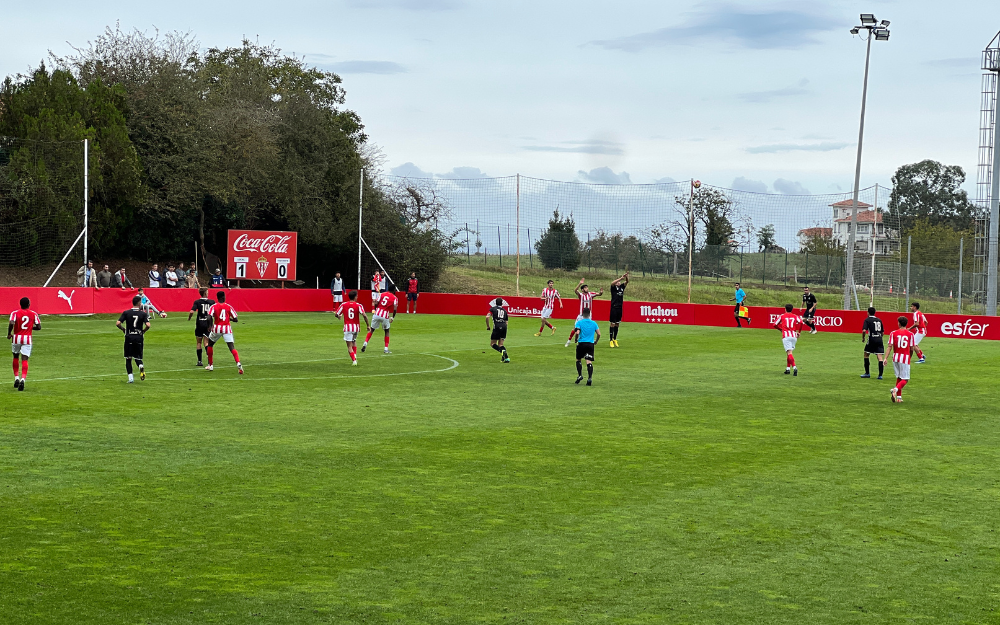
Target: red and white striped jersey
pixel 920 320
pixel 902 342
pixel 549 295
pixel 386 305
pixel 351 312
pixel 790 324
pixel 586 299
pixel 222 316
pixel 24 322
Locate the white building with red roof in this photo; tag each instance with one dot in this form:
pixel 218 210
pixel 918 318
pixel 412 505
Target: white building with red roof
pixel 872 235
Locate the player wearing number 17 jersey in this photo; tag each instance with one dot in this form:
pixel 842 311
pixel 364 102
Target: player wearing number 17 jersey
pixel 352 311
pixel 790 325
pixel 22 322
pixel 901 343
pixel 223 316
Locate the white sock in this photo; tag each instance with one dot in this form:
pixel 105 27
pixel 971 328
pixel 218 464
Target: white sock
pixel 130 378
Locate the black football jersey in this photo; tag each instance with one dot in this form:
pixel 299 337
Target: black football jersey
pixel 499 315
pixel 617 294
pixel 873 326
pixel 808 300
pixel 201 307
pixel 134 322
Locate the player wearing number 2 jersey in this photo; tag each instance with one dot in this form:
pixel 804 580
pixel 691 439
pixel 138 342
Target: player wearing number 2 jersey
pixel 901 343
pixel 223 316
pixel 352 311
pixel 22 322
pixel 385 313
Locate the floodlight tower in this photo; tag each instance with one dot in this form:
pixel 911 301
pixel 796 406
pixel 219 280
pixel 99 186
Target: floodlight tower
pixel 988 182
pixel 880 32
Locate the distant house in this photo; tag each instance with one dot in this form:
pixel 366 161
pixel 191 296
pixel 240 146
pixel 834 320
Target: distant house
pixel 872 235
pixel 808 234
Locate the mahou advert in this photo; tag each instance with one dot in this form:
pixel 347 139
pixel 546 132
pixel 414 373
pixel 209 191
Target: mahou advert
pixel 262 255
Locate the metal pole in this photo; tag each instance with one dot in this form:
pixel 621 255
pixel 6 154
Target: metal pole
pixel 874 238
pixel 500 245
pixel 690 238
pixel 517 233
pixel 468 250
pixel 909 244
pixel 86 193
pixel 849 269
pixel 991 270
pixel 961 253
pixel 361 198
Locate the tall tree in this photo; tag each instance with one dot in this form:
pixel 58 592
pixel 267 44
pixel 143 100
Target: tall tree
pixel 559 247
pixel 932 191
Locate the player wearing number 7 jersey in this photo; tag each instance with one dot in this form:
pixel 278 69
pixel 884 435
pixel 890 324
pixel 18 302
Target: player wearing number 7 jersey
pixel 22 322
pixel 223 316
pixel 351 311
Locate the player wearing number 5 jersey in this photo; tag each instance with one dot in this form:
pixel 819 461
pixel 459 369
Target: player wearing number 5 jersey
pixel 352 311
pixel 385 313
pixel 901 343
pixel 134 323
pixel 223 316
pixel 790 325
pixel 919 329
pixel 498 333
pixel 19 328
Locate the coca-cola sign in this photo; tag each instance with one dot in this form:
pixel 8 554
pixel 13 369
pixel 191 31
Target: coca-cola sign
pixel 261 255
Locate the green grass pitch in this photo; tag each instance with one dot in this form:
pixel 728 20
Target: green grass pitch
pixel 694 483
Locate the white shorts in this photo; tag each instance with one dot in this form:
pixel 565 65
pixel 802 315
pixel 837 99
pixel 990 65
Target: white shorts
pixel 789 343
pixel 380 322
pixel 546 313
pixel 213 337
pixel 917 337
pixel 901 369
pixel 24 350
pixel 338 299
pixel 350 337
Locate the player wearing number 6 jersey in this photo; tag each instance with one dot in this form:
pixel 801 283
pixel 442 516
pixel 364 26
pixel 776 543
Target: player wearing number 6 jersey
pixel 384 314
pixel 901 343
pixel 22 322
pixel 790 325
pixel 223 316
pixel 351 311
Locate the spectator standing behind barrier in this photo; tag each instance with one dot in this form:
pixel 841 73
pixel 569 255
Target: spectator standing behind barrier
pixel 337 289
pixel 154 276
pixel 104 278
pixel 217 279
pixel 192 279
pixel 171 277
pixel 412 290
pixel 86 275
pixel 181 275
pixel 120 280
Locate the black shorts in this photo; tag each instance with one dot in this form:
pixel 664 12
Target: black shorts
pixel 585 351
pixel 499 332
pixel 808 315
pixel 616 315
pixel 133 347
pixel 412 296
pixel 201 330
pixel 874 348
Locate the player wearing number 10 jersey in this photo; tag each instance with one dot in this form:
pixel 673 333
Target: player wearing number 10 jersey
pixel 223 316
pixel 352 311
pixel 22 322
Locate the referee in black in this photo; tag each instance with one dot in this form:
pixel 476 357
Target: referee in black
pixel 617 305
pixel 809 309
pixel 134 323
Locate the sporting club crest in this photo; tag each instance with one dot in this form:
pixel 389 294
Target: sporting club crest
pixel 262 265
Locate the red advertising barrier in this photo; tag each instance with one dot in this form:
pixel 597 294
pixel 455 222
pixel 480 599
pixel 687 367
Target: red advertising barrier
pixel 79 300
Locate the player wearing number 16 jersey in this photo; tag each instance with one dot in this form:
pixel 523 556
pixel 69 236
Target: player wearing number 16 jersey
pixel 352 311
pixel 22 322
pixel 223 316
pixel 901 343
pixel 790 325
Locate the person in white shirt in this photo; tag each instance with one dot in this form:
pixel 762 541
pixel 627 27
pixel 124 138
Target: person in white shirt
pixel 337 289
pixel 154 277
pixel 171 277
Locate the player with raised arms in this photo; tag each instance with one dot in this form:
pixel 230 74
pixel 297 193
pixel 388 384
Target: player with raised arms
pixel 789 324
pixel 871 334
pixel 19 328
pixel 919 329
pixel 223 317
pixel 586 304
pixel 588 334
pixel 384 315
pixel 134 322
pixel 549 297
pixel 901 344
pixel 809 309
pixel 617 307
pixel 351 311
pixel 498 314
pixel 203 324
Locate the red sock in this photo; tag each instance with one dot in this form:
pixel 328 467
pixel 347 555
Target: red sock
pixel 236 356
pixel 791 359
pixel 387 340
pixel 543 326
pixel 209 350
pixel 369 337
pixel 15 366
pixel 24 369
pixel 899 386
pixel 351 352
pixel 920 354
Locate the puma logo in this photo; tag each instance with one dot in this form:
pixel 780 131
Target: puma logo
pixel 68 298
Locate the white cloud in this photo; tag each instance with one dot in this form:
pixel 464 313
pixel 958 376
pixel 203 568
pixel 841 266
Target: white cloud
pixel 409 170
pixel 789 187
pixel 463 173
pixel 827 146
pixel 603 175
pixel 745 184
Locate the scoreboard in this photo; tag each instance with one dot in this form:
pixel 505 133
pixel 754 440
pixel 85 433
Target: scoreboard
pixel 262 255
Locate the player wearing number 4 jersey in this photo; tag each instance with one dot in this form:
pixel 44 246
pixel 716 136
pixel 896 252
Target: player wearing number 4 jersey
pixel 384 314
pixel 901 343
pixel 223 316
pixel 19 328
pixel 918 329
pixel 790 325
pixel 352 311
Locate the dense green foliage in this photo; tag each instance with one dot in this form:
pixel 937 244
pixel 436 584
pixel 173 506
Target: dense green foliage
pixel 931 191
pixel 703 487
pixel 559 247
pixel 188 144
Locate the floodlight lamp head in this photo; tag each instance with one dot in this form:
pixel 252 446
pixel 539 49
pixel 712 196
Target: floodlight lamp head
pixel 882 34
pixel 868 18
pixel 885 23
pixel 855 30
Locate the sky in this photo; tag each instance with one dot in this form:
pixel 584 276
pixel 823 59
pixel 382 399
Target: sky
pixel 760 96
